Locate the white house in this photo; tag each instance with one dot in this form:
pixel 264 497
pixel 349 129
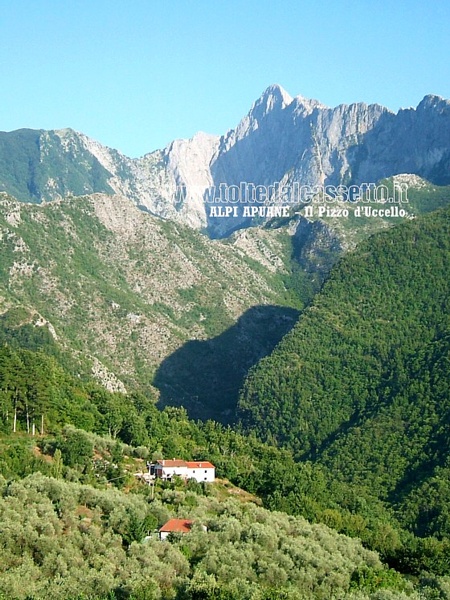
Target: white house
pixel 201 471
pixel 166 469
pixel 198 470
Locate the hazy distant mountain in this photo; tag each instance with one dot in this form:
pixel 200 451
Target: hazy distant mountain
pixel 281 139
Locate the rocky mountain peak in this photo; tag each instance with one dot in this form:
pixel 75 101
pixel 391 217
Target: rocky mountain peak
pixel 432 101
pixel 306 105
pixel 273 98
pixel 281 139
pixel 275 94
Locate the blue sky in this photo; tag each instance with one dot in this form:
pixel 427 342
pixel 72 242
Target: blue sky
pixel 137 74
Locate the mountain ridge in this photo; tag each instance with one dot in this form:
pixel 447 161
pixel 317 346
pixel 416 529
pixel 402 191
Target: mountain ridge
pixel 122 290
pixel 281 139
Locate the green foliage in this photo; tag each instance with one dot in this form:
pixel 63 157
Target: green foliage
pixel 76 448
pixel 345 359
pixel 131 301
pixel 360 389
pixel 358 392
pixel 36 394
pixel 205 376
pixel 371 579
pixel 77 541
pixel 57 466
pixel 17 459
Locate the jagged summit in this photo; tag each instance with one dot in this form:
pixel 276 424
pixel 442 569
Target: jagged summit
pixel 281 139
pixel 274 97
pixel 308 103
pixel 275 94
pixel 433 101
pixel 66 131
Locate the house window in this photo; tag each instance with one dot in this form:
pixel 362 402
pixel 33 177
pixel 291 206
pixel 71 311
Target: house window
pixel 206 471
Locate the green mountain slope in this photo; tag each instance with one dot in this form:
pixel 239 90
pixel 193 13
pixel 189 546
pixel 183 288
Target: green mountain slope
pixel 138 300
pixel 396 442
pixel 34 166
pixel 122 290
pixel 75 541
pixel 40 402
pixel 382 305
pixel 63 521
pixel 359 389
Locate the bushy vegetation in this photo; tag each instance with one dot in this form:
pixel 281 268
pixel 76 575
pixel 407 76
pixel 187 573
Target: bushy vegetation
pixel 38 390
pixel 378 308
pixel 67 540
pixel 134 297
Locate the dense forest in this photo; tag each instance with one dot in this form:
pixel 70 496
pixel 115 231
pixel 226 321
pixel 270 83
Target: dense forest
pixel 378 309
pixel 360 386
pixel 77 522
pixel 372 343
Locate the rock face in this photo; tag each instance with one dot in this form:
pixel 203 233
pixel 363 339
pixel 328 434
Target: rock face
pixel 281 139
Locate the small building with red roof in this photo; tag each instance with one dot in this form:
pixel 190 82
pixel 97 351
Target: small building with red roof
pixel 175 526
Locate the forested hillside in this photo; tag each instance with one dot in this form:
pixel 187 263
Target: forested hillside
pixel 65 540
pixel 77 522
pixel 380 306
pixel 361 384
pixel 135 300
pixel 121 291
pixel 345 424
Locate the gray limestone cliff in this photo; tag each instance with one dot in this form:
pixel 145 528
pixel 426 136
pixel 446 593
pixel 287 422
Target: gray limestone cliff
pixel 281 139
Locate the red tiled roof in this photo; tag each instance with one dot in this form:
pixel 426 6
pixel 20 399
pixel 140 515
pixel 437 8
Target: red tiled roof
pixel 171 463
pixel 178 525
pixel 203 464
